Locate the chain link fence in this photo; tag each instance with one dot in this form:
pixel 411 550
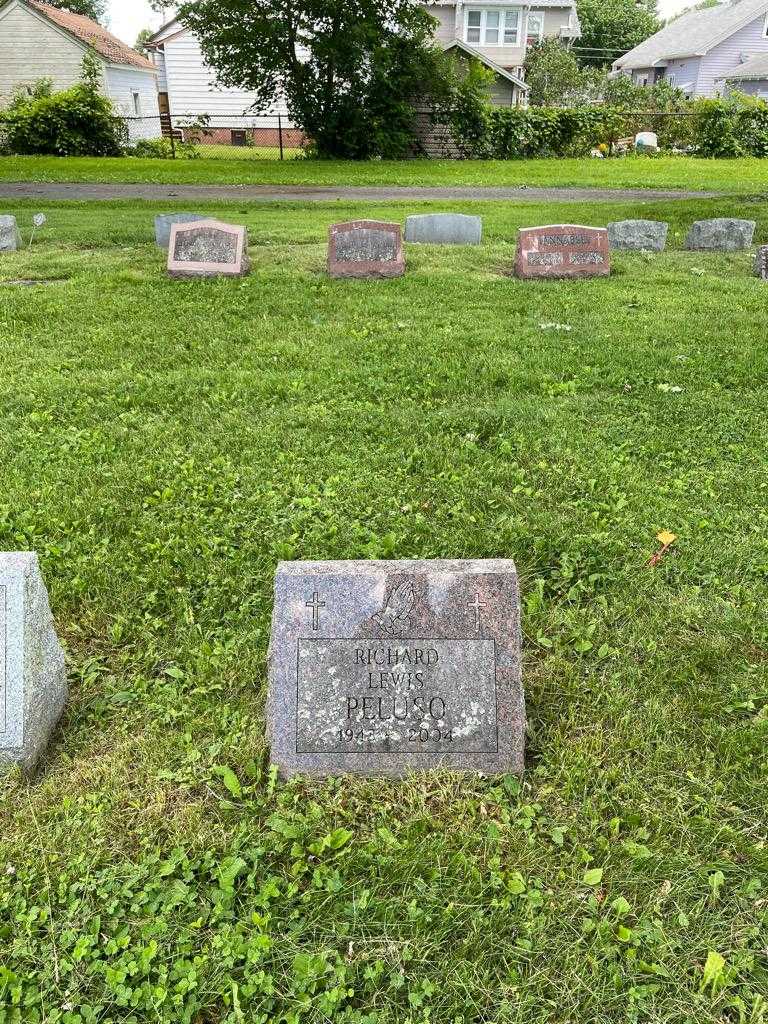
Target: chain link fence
pixel 212 136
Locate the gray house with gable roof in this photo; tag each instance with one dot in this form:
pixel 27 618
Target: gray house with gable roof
pixel 702 52
pixel 499 34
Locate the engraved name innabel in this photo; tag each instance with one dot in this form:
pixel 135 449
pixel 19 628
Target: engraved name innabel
pixel 399 696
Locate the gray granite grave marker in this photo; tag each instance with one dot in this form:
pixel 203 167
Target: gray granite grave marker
pixel 33 686
pixel 444 229
pixel 649 235
pixel 384 668
pixel 165 221
pixel 10 237
pixel 761 263
pixel 723 234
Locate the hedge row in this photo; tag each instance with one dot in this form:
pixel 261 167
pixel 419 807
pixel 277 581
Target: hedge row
pixel 734 127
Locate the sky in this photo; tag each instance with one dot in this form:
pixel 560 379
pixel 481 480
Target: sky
pixel 129 17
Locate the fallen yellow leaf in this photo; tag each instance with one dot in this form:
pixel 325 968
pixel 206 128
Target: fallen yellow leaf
pixel 666 538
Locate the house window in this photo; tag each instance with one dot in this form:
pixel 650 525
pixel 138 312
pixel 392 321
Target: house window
pixel 495 27
pixel 535 31
pixel 136 103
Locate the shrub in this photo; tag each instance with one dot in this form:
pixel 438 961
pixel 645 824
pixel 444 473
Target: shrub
pixel 78 121
pixel 732 127
pixel 161 149
pixel 467 110
pixel 544 131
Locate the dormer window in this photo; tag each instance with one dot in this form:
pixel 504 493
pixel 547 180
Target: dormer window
pixel 492 26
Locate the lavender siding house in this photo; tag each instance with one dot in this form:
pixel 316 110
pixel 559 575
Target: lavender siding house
pixel 703 52
pixel 750 78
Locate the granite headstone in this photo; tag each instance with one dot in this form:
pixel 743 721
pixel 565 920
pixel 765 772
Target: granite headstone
pixel 723 234
pixel 648 235
pixel 385 668
pixel 165 221
pixel 10 237
pixel 444 229
pixel 33 683
pixel 761 263
pixel 562 251
pixel 365 248
pixel 208 248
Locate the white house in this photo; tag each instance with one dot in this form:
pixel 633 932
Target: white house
pixel 39 41
pixel 188 90
pixel 705 53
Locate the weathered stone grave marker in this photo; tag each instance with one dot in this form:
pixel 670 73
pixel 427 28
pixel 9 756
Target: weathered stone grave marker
pixel 383 668
pixel 647 142
pixel 444 229
pixel 648 235
pixel 165 221
pixel 562 251
pixel 365 248
pixel 10 237
pixel 761 263
pixel 722 234
pixel 33 684
pixel 208 248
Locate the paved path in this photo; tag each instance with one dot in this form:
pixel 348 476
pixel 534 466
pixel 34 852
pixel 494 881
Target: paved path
pixel 302 193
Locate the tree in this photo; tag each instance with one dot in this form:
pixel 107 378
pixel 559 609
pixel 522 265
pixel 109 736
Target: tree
pixel 351 71
pixel 704 5
pixel 555 76
pixel 609 28
pixel 142 39
pixel 95 9
pixel 163 8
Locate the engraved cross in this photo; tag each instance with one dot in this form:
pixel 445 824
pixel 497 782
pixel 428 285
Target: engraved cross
pixel 315 604
pixel 476 605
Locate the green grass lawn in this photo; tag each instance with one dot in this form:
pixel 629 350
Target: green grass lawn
pixel 215 151
pixel 164 443
pixel 745 177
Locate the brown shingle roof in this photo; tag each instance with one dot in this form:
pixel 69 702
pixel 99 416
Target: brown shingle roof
pixel 95 35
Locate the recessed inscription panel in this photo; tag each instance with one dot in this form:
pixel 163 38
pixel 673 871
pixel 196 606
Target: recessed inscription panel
pixel 205 245
pixel 366 244
pixel 399 696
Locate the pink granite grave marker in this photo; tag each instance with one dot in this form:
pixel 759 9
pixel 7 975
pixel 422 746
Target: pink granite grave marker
pixel 208 248
pixel 563 251
pixel 365 248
